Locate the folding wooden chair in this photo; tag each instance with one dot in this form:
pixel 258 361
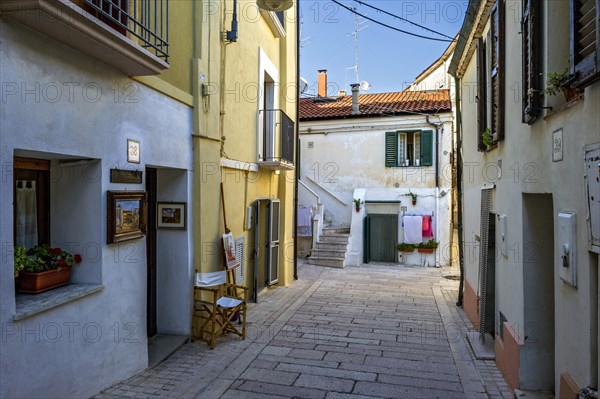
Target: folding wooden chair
pixel 215 314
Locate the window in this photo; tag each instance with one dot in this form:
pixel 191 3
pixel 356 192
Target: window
pixel 409 148
pixel 530 30
pixel 490 85
pixel 585 54
pixel 31 202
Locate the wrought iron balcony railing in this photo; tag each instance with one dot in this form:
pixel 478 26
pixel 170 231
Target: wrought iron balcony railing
pixel 147 20
pixel 276 139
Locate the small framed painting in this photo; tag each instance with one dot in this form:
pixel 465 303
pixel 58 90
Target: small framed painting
pixel 171 215
pixel 126 213
pixel 229 248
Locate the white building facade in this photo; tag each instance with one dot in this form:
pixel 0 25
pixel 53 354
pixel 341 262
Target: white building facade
pixel 531 181
pixel 74 118
pixel 398 143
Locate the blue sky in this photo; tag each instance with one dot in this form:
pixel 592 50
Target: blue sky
pixel 387 59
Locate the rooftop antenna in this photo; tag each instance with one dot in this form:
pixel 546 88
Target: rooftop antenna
pixel 358 26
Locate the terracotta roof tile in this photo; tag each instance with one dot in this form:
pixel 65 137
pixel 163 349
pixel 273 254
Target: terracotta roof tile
pixel 376 104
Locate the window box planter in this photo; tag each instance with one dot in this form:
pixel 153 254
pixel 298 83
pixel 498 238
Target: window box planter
pixel 426 250
pixel 406 248
pixel 35 283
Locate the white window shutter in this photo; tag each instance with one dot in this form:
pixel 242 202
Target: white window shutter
pixel 239 257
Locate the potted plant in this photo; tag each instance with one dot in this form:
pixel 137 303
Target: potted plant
pixel 556 82
pixel 428 247
pixel 486 137
pixel 408 248
pixel 43 268
pixel 357 203
pixel 413 197
pixel 21 259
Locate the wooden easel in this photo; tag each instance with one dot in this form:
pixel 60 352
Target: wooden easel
pixel 230 271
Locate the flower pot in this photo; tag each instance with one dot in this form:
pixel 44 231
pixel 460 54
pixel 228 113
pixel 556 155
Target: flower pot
pixel 414 202
pixel 35 283
pixel 426 250
pixel 357 209
pixel 570 92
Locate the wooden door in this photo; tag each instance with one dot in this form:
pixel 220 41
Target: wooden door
pixel 381 238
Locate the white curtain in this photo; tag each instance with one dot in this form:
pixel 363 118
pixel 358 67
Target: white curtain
pixel 26 218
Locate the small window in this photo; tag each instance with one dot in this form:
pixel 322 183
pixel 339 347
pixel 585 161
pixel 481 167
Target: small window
pixel 585 53
pixel 31 202
pixel 530 31
pixel 409 148
pixel 490 84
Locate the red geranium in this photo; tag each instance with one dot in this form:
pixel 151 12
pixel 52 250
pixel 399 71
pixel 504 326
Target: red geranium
pixel 62 263
pixel 77 258
pixel 56 251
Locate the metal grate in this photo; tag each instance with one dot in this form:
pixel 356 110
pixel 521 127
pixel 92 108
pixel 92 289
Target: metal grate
pixel 486 196
pixel 147 20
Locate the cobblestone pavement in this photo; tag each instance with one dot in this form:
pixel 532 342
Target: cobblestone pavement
pixel 360 332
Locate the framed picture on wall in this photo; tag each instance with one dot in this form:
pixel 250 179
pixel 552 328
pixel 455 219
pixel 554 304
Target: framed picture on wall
pixel 171 215
pixel 126 214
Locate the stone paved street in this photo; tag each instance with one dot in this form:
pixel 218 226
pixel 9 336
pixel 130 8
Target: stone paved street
pixel 367 332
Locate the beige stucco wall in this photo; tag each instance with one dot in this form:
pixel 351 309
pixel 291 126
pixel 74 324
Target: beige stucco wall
pixel 227 123
pixel 525 161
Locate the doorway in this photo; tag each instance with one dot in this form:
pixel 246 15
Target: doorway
pixel 489 282
pixel 537 355
pixel 151 189
pixel 381 237
pixel 266 242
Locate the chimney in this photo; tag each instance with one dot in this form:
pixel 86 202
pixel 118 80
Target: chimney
pixel 322 84
pixel 355 90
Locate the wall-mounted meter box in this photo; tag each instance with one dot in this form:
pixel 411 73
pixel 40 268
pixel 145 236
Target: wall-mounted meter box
pixel 567 248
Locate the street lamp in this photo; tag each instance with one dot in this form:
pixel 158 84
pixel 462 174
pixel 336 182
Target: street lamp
pixel 274 5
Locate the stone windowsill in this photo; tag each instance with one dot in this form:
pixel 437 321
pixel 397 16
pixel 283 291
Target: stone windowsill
pixel 29 305
pixel 553 112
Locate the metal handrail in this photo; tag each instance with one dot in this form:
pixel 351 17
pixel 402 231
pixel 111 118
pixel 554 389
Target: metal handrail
pixel 148 21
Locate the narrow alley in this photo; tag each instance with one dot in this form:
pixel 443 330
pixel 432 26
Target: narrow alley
pixel 371 331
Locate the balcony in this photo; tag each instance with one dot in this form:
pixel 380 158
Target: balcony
pixel 131 36
pixel 276 140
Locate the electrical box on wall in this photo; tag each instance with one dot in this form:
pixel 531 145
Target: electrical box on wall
pixel 249 217
pixel 567 248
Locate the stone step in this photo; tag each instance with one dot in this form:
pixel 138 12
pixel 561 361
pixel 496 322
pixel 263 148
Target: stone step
pixel 328 253
pixel 334 238
pixel 337 246
pixel 328 262
pixel 336 230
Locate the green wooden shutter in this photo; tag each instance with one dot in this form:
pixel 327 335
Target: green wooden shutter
pixel 391 149
pixel 426 147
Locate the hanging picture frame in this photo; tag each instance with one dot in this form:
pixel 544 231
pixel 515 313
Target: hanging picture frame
pixel 126 215
pixel 171 215
pixel 229 248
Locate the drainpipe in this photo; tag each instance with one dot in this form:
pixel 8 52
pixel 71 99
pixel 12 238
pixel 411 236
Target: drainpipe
pixel 297 140
pixel 232 35
pixel 437 182
pixel 355 105
pixel 459 194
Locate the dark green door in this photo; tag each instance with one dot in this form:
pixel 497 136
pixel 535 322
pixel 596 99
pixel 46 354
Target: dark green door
pixel 381 238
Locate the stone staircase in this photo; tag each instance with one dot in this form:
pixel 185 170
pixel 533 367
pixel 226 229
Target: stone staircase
pixel 330 250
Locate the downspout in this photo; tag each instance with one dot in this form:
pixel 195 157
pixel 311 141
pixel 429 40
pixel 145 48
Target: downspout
pixel 297 140
pixel 437 183
pixel 459 194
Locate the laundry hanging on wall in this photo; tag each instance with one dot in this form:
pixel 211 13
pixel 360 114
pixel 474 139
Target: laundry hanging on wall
pixel 413 229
